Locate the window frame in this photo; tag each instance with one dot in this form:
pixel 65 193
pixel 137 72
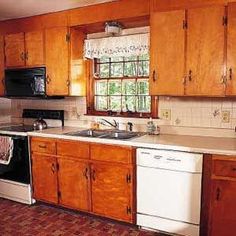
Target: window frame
pixel 90 98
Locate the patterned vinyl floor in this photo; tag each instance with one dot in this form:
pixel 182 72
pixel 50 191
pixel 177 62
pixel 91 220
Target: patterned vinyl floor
pixel 42 220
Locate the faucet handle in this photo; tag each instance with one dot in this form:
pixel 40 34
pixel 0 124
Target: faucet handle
pixel 130 126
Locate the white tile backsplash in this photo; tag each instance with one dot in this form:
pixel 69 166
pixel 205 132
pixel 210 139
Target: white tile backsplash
pixel 5 110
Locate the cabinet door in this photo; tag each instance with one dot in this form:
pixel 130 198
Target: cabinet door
pixel 44 171
pixel 57 61
pixel 2 88
pixel 14 50
pixel 167 53
pixel 73 177
pixel 34 48
pixel 205 51
pixel 223 217
pixel 112 191
pixel 231 50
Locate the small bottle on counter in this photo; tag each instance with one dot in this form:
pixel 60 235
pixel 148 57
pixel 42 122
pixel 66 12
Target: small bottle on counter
pixel 151 128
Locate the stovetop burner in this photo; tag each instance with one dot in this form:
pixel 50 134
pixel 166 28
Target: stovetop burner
pixel 19 128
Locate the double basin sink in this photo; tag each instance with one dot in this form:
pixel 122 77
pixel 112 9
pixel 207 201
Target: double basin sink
pixel 108 134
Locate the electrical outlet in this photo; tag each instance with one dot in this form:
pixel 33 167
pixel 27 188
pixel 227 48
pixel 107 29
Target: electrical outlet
pixel 166 114
pixel 225 117
pixel 74 112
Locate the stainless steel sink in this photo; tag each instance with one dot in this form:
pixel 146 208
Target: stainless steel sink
pixel 108 134
pixel 88 133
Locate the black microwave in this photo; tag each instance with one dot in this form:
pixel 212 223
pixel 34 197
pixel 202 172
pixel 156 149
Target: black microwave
pixel 30 82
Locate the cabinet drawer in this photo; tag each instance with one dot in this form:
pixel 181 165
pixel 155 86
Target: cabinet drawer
pixel 111 153
pixel 74 149
pixel 226 168
pixel 43 145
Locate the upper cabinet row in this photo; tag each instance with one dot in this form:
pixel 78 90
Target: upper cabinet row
pixel 59 49
pixel 193 52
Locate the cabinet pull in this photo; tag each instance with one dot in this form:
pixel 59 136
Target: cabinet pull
pixel 128 178
pixel 190 75
pixel 48 80
pixel 42 146
pixel 67 83
pixel 22 56
pixel 86 173
pixel 222 80
pixel 93 175
pixel 128 210
pixel 218 192
pixel 53 168
pixel 154 76
pixel 233 169
pixel 184 80
pixel 26 56
pixel 230 73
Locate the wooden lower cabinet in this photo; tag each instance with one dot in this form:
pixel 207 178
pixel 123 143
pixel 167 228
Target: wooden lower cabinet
pixel 223 208
pixel 44 169
pixel 112 191
pixel 73 182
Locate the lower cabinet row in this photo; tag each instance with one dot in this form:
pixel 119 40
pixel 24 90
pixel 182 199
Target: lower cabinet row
pixel 103 188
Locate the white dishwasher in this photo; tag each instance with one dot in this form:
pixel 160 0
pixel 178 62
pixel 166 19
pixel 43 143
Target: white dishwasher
pixel 169 191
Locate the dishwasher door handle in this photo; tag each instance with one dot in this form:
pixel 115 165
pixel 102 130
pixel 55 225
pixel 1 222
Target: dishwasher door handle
pixel 173 159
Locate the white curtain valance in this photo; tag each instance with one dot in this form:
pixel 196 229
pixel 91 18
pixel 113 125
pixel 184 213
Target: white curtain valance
pixel 121 46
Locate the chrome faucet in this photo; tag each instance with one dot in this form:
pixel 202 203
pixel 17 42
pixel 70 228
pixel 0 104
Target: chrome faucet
pixel 105 122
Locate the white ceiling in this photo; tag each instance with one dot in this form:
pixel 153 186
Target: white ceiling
pixel 11 9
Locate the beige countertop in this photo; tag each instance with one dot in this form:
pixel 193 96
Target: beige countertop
pixel 186 143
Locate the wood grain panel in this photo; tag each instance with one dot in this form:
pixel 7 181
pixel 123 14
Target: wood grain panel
pixel 231 51
pixel 75 149
pixel 78 76
pixel 223 207
pixel 167 53
pixel 110 153
pixel 73 177
pixel 43 145
pixel 57 61
pixel 34 48
pixel 2 66
pixel 205 51
pixel 44 178
pixel 111 194
pixel 225 168
pixel 14 50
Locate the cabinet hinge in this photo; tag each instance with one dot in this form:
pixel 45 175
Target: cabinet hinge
pixel 128 210
pixel 185 24
pixel 128 178
pixel 225 20
pixel 67 38
pixel 59 194
pixel 57 166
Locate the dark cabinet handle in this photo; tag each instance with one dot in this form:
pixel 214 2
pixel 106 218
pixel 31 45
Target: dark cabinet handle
pixel 218 193
pixel 26 56
pixel 233 169
pixel 86 173
pixel 190 75
pixel 42 146
pixel 154 76
pixel 93 175
pixel 53 168
pixel 22 56
pixel 230 74
pixel 48 80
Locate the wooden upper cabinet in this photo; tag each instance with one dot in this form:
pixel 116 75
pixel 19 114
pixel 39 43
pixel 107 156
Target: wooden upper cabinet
pixel 167 53
pixel 34 48
pixel 44 170
pixel 2 89
pixel 112 191
pixel 73 177
pixel 57 61
pixel 14 50
pixel 231 50
pixel 78 66
pixel 223 208
pixel 205 51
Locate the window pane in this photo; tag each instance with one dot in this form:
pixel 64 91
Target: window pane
pixel 117 70
pixel 117 59
pixel 128 103
pixel 101 103
pixel 143 87
pixel 129 87
pixel 104 70
pixel 144 57
pixel 115 103
pixel 143 104
pixel 101 88
pixel 143 68
pixel 130 69
pixel 131 58
pixel 114 87
pixel 103 59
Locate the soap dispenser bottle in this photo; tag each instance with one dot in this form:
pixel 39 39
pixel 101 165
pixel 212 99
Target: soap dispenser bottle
pixel 151 128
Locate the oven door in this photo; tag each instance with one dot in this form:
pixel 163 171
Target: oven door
pixel 25 82
pixel 18 169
